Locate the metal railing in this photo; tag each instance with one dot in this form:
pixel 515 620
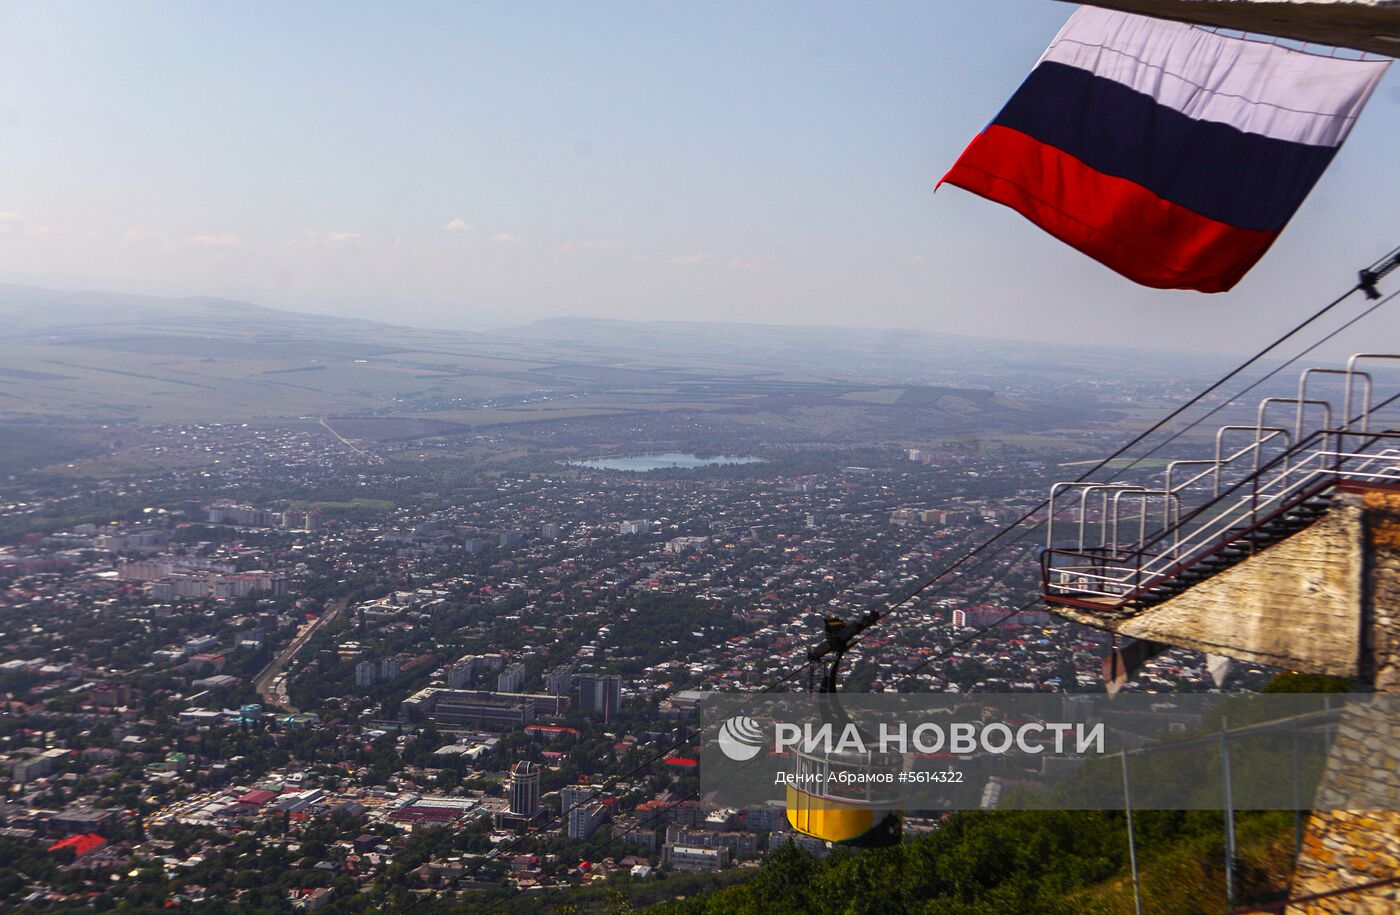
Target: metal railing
pixel 1235 503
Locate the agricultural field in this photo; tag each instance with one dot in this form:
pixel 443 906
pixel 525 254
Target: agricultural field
pixel 88 374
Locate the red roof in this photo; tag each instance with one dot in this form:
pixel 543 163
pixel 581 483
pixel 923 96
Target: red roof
pixel 680 761
pixel 81 844
pixel 257 797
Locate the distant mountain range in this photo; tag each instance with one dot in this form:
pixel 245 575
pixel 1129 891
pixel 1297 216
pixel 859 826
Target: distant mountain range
pixel 875 354
pixel 96 356
pixel 31 309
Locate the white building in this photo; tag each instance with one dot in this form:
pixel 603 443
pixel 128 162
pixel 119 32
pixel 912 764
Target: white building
pixel 525 789
pixel 512 679
pixel 690 858
pixel 585 818
pixel 460 675
pixel 559 681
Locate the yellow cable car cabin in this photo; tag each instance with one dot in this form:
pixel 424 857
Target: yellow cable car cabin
pixel 830 796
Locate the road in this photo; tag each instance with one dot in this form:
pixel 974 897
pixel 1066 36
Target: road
pixel 270 684
pixel 345 441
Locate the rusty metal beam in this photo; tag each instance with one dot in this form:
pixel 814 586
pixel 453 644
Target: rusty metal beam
pixel 1362 26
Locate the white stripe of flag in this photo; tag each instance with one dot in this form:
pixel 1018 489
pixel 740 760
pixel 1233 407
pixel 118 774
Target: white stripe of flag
pixel 1257 87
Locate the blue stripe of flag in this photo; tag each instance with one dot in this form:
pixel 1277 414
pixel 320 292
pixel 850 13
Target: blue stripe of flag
pixel 1223 173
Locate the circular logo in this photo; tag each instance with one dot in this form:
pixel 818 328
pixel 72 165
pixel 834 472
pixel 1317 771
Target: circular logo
pixel 740 738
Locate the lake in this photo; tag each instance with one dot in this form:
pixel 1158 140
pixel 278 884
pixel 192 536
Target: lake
pixel 671 460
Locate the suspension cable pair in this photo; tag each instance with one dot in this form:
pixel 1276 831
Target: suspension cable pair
pixel 837 638
pixel 838 635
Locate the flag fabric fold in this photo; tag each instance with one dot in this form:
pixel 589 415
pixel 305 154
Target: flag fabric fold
pixel 1169 153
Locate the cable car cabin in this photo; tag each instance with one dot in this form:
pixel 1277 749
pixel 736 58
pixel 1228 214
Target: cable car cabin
pixel 832 796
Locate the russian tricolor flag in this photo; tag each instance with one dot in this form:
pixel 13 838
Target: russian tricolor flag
pixel 1168 153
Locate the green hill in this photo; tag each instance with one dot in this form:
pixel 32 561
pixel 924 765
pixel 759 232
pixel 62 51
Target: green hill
pixel 1025 862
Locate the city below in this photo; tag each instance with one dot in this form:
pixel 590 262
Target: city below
pixel 267 662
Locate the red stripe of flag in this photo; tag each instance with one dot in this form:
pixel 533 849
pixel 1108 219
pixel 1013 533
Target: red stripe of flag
pixel 1120 224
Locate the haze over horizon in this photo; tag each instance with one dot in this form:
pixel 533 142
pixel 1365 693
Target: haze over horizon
pixel 485 167
pixel 430 432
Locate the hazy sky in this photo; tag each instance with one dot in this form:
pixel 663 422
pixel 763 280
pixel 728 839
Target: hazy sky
pixel 474 165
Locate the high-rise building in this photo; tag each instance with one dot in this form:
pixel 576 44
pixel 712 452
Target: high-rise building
pixel 550 531
pixel 585 818
pixel 388 668
pixel 460 675
pixel 241 515
pixel 559 681
pixel 572 796
pixel 600 694
pixel 364 673
pixel 525 789
pixel 241 584
pixel 30 768
pixel 512 679
pixel 143 569
pixel 111 695
pixel 511 538
pixel 764 817
pixel 903 517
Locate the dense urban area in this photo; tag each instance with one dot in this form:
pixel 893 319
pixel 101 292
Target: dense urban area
pixel 319 672
pixel 699 458
pixel 434 623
